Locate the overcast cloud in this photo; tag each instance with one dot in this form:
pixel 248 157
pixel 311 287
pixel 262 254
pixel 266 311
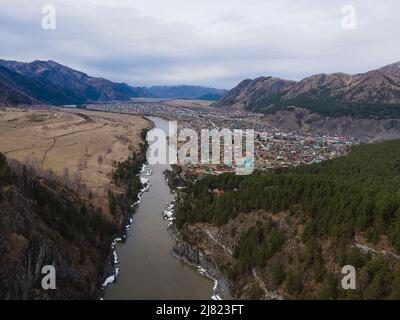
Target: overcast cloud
pixel 210 42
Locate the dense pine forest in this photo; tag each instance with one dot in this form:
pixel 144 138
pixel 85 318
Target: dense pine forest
pixel 125 176
pixel 321 103
pixel 335 201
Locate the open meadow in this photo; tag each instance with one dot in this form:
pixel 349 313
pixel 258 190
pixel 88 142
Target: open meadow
pixel 76 144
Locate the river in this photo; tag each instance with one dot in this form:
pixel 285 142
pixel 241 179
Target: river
pixel 147 268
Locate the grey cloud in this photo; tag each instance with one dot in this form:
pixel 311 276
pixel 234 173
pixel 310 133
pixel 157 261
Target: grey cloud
pixel 208 43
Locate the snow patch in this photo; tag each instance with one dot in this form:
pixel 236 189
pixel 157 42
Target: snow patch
pixel 169 213
pixel 145 187
pixel 111 279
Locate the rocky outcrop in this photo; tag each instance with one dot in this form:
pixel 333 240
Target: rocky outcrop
pixel 174 177
pixel 191 254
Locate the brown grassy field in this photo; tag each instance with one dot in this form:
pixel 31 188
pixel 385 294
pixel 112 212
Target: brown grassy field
pixel 176 102
pixel 78 143
pixel 189 103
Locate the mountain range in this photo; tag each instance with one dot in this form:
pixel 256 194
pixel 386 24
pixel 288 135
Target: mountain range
pixel 49 82
pixel 372 94
pixel 187 92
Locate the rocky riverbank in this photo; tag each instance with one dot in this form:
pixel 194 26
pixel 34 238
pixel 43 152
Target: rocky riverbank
pixel 188 252
pixel 113 264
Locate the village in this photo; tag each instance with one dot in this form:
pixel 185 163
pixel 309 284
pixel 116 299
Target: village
pixel 273 147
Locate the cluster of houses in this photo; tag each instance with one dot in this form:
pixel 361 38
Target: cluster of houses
pixel 274 147
pixel 274 150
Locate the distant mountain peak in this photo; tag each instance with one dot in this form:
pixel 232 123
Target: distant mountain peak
pixel 187 92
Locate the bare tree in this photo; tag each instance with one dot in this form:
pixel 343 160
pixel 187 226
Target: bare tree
pixel 47 174
pixel 76 181
pixel 108 150
pixel 123 139
pixel 100 160
pixel 86 151
pixel 65 176
pixel 31 162
pixel 82 163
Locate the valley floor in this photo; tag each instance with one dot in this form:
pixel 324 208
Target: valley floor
pixel 77 144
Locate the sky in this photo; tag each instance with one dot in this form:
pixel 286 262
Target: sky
pixel 215 43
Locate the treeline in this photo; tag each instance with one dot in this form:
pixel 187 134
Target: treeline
pixel 144 145
pixel 60 208
pixel 5 171
pixel 335 200
pixel 126 176
pixel 359 192
pixel 321 102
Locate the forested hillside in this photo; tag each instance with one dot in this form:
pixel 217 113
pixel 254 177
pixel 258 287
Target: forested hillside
pixel 327 206
pixel 44 222
pixel 374 94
